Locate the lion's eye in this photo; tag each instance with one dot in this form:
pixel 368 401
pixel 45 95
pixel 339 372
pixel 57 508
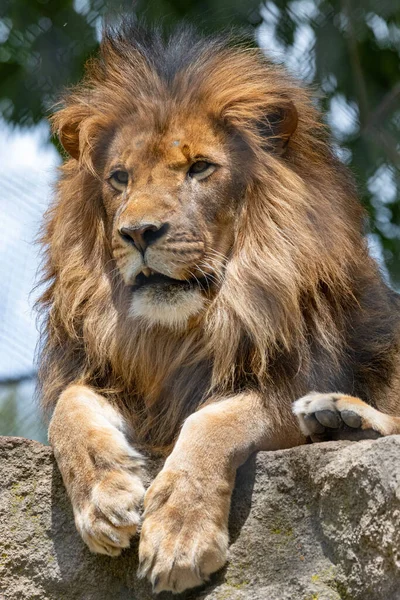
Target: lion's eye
pixel 119 180
pixel 201 169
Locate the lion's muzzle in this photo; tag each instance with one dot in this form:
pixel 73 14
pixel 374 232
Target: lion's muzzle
pixel 158 262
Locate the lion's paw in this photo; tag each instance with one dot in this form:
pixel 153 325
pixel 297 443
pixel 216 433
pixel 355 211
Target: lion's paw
pixel 184 537
pixel 110 517
pixel 337 416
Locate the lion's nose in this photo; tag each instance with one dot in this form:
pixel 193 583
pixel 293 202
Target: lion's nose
pixel 143 235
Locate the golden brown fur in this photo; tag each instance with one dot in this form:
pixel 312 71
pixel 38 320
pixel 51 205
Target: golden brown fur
pixel 298 245
pixel 293 301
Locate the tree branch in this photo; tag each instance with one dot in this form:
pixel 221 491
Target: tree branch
pixel 19 379
pixel 360 86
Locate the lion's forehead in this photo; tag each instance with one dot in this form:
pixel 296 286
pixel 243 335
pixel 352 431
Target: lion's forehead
pixel 177 145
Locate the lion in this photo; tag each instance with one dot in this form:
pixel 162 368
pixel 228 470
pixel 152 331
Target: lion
pixel 209 292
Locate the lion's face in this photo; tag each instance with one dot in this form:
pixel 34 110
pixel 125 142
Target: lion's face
pixel 172 201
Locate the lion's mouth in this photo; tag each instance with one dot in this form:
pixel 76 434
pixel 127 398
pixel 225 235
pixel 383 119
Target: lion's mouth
pixel 160 280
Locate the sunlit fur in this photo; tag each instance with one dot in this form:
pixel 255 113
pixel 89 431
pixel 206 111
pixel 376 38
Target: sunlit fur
pixel 298 305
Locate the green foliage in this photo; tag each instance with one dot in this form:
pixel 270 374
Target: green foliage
pixel 353 58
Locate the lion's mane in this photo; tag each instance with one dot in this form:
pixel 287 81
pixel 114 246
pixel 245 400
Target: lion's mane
pixel 297 268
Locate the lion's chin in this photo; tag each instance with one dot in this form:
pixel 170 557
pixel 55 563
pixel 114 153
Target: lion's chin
pixel 171 306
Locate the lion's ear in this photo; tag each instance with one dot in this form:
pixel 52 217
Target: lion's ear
pixel 278 126
pixel 69 139
pixel 66 125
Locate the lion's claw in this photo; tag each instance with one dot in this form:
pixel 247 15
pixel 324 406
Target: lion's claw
pixel 110 517
pixel 337 416
pixel 183 538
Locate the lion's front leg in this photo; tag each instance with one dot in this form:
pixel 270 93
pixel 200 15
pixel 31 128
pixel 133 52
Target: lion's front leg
pixel 184 536
pixel 101 471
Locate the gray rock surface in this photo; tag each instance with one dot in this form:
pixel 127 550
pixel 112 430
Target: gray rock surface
pixel 319 522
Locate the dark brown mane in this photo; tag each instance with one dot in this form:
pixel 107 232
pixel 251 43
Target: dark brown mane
pixel 298 265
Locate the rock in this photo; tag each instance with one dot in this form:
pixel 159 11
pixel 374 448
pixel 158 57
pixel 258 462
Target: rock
pixel 320 522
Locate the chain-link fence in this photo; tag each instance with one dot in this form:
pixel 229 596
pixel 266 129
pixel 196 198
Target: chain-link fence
pixel 25 190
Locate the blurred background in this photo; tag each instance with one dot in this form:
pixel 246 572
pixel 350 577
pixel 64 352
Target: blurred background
pixel 349 50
